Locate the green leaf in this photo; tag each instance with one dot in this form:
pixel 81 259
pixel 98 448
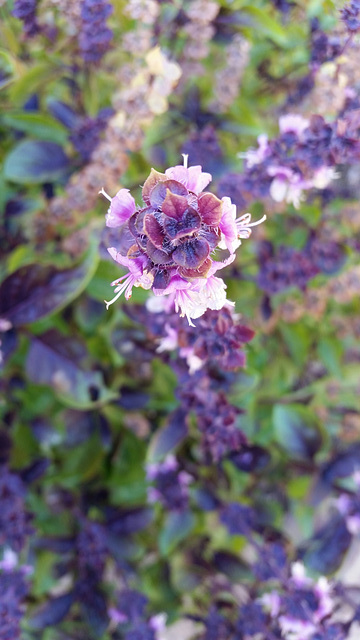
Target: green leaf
pixel 32 80
pixel 268 25
pixel 296 429
pixel 330 351
pixel 178 525
pixel 298 340
pixel 35 162
pixel 37 125
pixel 81 463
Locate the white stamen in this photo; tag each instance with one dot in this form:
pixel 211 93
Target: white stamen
pixel 185 156
pixel 103 193
pixel 243 221
pixel 127 283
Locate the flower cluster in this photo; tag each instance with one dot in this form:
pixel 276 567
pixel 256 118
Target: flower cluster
pixel 219 339
pixel 130 615
pixel 170 486
pixel 168 244
pixel 302 157
pixel 85 134
pixel 350 14
pixel 287 267
pixel 95 37
pixel 25 10
pixel 204 362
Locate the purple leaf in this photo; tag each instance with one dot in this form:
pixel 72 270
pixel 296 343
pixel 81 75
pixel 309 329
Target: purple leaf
pixel 170 436
pixel 59 361
pixel 36 291
pixel 53 612
pixel 35 162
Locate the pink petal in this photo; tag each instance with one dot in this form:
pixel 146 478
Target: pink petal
pixel 197 179
pixel 228 225
pixel 121 209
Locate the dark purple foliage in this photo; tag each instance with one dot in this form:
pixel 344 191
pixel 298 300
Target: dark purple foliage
pixel 141 632
pixel 252 620
pixel 91 549
pixel 217 627
pixel 238 519
pixel 34 291
pixel 132 605
pixel 13 589
pixel 14 519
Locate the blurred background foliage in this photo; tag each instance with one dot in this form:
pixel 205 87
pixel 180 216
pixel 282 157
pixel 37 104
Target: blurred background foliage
pixel 92 95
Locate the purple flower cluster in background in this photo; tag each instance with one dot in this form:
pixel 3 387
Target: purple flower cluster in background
pixel 25 10
pixel 287 267
pixel 130 615
pixel 350 14
pixel 85 134
pixel 302 157
pixel 95 37
pixel 169 485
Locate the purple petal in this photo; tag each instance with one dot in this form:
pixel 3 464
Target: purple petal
pixel 210 209
pixel 174 206
pixel 189 223
pixel 157 256
pixel 200 272
pixel 150 183
pixel 192 178
pixel 121 209
pixel 191 254
pixel 154 230
pixel 197 179
pixel 161 281
pixel 159 192
pixel 228 225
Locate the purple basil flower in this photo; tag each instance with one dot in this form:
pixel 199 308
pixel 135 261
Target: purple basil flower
pixel 25 10
pixel 170 486
pixel 95 37
pixel 350 15
pixel 91 549
pixel 287 268
pixel 131 610
pixel 220 338
pixel 167 245
pixel 86 132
